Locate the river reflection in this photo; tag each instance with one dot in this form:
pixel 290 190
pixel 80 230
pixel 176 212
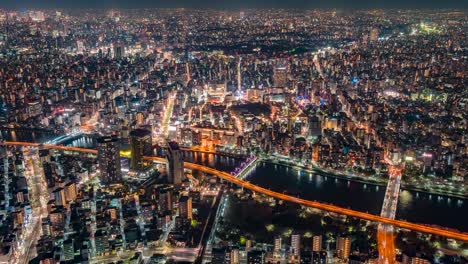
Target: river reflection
pixel 412 206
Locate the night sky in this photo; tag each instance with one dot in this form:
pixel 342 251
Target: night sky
pixel 233 4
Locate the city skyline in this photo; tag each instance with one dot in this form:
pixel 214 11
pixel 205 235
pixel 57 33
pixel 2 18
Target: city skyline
pixel 233 135
pixel 339 4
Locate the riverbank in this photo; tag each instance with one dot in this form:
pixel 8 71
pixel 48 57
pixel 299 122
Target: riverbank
pixel 360 179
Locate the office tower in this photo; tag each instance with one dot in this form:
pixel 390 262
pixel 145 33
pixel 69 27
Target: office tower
pixel 119 51
pixel 175 165
pixel 140 145
pixel 165 200
pixel 185 207
pixel 319 257
pixel 59 197
pixel 109 159
pixel 315 126
pixel 296 245
pixel 280 76
pixel 343 247
pixel 317 243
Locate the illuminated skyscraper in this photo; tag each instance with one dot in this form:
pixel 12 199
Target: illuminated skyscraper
pixel 317 243
pixel 185 207
pixel 296 245
pixel 109 159
pixel 280 76
pixel 141 145
pixel 343 247
pixel 165 200
pixel 175 165
pixel 277 248
pixel 119 51
pixel 315 126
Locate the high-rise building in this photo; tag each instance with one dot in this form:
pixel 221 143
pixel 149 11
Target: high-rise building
pixel 165 200
pixel 109 159
pixel 175 165
pixel 235 256
pixel 278 244
pixel 185 207
pixel 343 247
pixel 119 51
pixel 141 145
pixel 315 126
pixel 317 243
pixel 277 247
pixel 296 245
pixel 280 76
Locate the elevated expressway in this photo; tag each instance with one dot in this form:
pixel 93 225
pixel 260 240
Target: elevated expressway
pixel 245 184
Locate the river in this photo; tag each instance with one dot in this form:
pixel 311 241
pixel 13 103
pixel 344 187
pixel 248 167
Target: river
pixel 413 206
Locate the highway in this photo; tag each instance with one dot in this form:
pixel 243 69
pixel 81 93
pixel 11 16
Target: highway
pixel 322 206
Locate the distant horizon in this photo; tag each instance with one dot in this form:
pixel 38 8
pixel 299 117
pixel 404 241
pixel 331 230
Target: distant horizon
pixel 234 5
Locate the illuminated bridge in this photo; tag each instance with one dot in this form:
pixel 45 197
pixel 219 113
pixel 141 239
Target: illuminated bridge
pixel 385 236
pixel 247 185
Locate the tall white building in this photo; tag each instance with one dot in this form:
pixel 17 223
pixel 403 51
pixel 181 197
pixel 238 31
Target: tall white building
pixel 296 245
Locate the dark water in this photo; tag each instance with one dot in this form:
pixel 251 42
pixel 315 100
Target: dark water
pixel 412 206
pixel 40 136
pixel 210 160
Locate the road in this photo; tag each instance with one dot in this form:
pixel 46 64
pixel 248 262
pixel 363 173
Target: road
pixel 39 198
pixel 322 206
pixel 385 235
